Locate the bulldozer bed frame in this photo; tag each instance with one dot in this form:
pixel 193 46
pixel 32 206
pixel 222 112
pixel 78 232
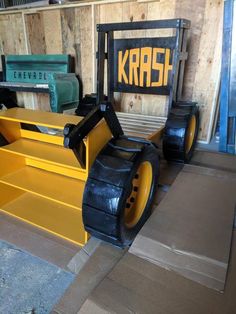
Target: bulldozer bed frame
pixel 84 175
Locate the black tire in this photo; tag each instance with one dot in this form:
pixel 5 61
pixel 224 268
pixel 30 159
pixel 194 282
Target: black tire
pixel 176 146
pixel 109 186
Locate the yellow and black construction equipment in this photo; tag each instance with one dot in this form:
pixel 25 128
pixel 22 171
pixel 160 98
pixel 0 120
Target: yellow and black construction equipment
pixel 74 176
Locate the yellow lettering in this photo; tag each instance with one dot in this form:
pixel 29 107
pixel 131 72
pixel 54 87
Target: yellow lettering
pixel 140 64
pixel 168 67
pixel 145 66
pixel 157 66
pixel 133 66
pixel 121 66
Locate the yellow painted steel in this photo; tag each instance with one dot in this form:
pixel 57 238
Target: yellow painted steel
pixel 53 139
pixel 48 185
pixel 10 130
pixel 157 135
pixel 10 163
pixel 79 174
pixel 190 134
pixel 41 182
pixel 139 196
pixel 8 194
pixel 35 117
pixel 56 218
pixel 96 140
pixel 49 153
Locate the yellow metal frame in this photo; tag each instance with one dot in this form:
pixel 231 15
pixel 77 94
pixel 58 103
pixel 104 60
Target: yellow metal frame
pixel 156 136
pixel 41 182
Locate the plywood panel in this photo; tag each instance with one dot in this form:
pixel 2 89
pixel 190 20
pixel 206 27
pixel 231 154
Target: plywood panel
pixel 52 31
pixel 12 41
pixel 12 38
pixel 206 83
pixel 68 31
pixel 194 11
pixel 36 45
pixel 35 32
pixel 41 102
pixel 84 51
pixel 42 34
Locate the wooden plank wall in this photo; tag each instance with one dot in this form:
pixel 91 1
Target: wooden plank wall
pixel 72 30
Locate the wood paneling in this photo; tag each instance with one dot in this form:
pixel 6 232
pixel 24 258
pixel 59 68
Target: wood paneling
pixel 13 41
pixel 35 33
pixel 207 78
pixel 72 29
pixel 52 31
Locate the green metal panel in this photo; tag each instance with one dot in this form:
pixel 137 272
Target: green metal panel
pixel 64 91
pixel 35 68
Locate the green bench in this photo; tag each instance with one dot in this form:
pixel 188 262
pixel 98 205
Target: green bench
pixel 43 74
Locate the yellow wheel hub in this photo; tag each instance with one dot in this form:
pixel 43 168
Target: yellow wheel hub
pixel 190 134
pixel 138 198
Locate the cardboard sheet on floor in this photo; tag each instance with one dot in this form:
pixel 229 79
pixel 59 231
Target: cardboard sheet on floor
pixel 137 286
pixel 190 231
pixel 214 160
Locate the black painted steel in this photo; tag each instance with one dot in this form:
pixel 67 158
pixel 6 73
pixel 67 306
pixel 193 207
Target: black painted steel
pixel 74 134
pixel 177 44
pixel 122 45
pixel 86 104
pixel 100 67
pixel 168 23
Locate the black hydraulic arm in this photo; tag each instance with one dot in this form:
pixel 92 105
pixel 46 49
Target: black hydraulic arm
pixel 74 134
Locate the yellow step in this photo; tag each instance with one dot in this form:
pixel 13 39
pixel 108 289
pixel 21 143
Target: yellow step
pixel 58 188
pixel 36 117
pixel 44 152
pixel 53 217
pixel 47 156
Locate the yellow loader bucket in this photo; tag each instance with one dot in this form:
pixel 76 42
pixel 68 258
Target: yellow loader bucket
pixel 41 182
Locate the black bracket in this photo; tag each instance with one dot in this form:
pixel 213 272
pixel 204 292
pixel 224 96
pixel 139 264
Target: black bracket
pixel 74 134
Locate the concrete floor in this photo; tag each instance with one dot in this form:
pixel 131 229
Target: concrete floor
pixel 29 284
